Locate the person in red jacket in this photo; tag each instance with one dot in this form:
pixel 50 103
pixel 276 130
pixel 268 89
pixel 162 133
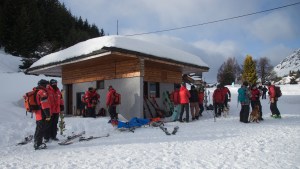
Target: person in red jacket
pixel 112 108
pixel 184 96
pixel 200 100
pixel 56 106
pixel 227 95
pixel 91 98
pixel 255 95
pixel 218 100
pixel 42 115
pixel 175 99
pixel 273 100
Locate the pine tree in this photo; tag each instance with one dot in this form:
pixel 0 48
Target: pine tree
pixel 249 70
pixel 33 28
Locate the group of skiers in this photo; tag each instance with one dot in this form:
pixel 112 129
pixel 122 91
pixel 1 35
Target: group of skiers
pixel 91 99
pixel 50 101
pixel 184 100
pixel 251 96
pixel 51 104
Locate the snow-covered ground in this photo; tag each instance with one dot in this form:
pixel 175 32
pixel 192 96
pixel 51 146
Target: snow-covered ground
pixel 226 143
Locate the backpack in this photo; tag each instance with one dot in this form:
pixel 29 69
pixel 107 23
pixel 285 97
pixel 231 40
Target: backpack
pixel 277 91
pixel 242 95
pixel 218 96
pixel 102 112
pixel 30 102
pixel 116 98
pixel 174 97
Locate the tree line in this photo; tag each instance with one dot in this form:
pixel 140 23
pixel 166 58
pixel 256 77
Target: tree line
pixel 251 70
pixel 34 28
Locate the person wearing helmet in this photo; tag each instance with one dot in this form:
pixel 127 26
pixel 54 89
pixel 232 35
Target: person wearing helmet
pixel 112 108
pixel 218 100
pixel 91 98
pixel 56 106
pixel 42 115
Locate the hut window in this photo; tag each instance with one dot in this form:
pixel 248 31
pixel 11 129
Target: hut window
pixel 154 89
pixel 100 84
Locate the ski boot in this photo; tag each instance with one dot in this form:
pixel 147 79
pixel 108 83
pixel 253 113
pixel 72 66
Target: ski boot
pixel 39 147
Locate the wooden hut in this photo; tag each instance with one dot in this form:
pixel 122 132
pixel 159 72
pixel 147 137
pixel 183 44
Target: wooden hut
pixel 133 67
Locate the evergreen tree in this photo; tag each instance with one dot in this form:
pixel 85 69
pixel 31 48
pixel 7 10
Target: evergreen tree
pixel 35 28
pixel 249 70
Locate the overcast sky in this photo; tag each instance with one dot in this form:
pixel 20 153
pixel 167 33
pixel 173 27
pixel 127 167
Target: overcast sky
pixel 274 34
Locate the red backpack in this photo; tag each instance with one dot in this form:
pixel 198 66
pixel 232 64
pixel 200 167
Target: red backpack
pixel 174 97
pixel 30 102
pixel 218 96
pixel 116 98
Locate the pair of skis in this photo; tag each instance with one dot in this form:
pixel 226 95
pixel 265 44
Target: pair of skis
pixel 164 129
pixel 70 139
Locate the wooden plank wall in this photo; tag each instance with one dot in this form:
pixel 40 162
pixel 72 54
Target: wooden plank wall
pixel 118 66
pixel 104 68
pixel 158 72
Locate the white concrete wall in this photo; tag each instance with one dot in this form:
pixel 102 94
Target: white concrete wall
pixel 130 90
pixel 131 96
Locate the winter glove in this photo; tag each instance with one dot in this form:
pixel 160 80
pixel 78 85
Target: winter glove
pixel 62 107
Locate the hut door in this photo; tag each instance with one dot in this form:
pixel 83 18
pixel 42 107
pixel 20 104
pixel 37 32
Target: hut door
pixel 145 89
pixel 69 99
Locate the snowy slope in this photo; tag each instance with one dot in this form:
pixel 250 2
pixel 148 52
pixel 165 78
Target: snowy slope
pixel 226 143
pixel 290 63
pixel 9 63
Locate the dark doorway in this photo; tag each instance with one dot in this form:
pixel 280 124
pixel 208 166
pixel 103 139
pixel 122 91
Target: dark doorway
pixel 69 99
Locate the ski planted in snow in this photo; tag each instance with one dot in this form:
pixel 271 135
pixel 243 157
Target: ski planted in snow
pixel 164 129
pixel 92 137
pixel 175 130
pixel 71 138
pixel 26 140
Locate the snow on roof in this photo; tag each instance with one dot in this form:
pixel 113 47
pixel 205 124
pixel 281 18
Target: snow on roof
pixel 89 46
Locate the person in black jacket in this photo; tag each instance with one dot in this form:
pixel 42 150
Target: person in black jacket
pixel 264 92
pixel 194 105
